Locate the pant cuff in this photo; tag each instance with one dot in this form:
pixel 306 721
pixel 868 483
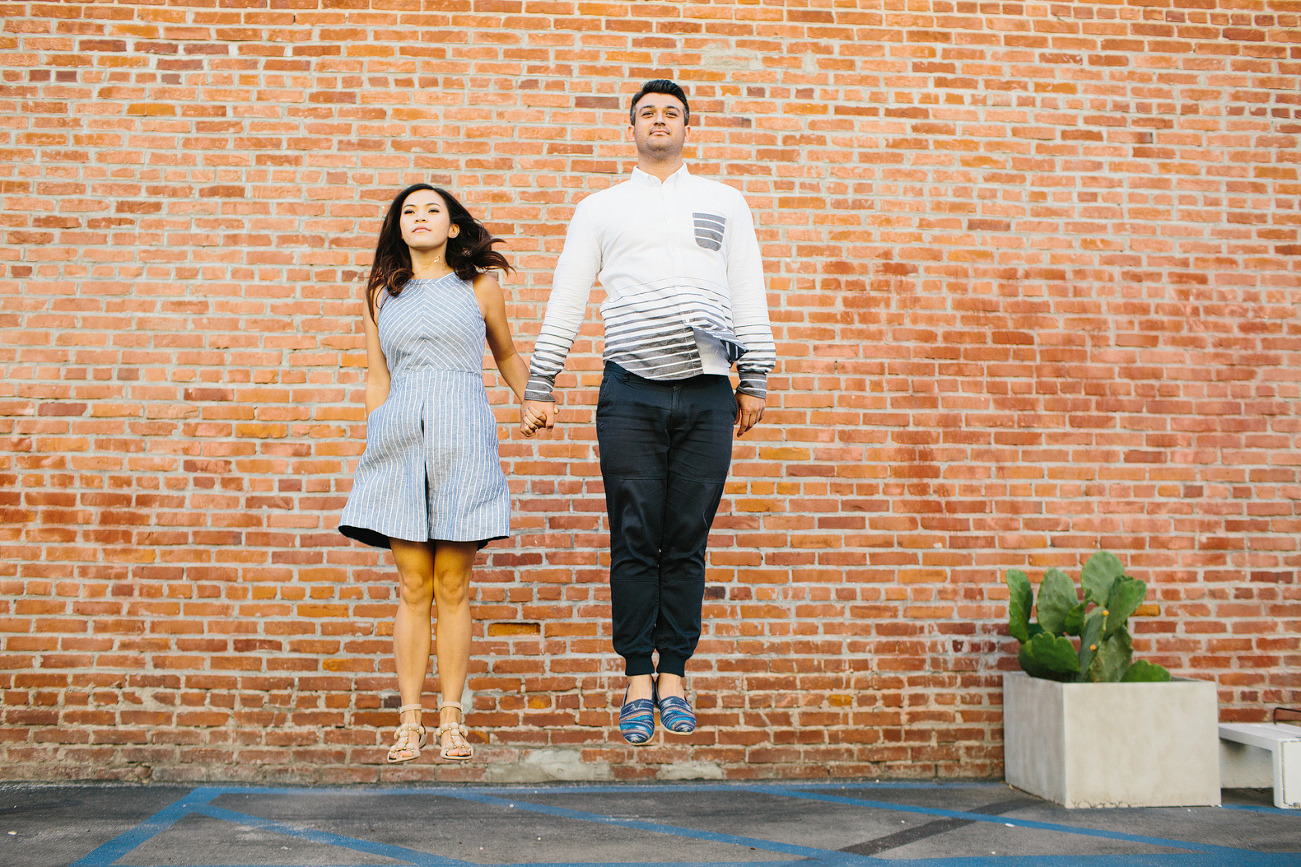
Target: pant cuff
pixel 673 665
pixel 637 665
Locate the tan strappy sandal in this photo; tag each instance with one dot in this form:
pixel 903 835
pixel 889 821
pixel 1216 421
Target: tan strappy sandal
pixel 458 731
pixel 407 734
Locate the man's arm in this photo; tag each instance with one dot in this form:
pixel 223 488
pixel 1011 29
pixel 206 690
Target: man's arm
pixel 571 286
pixel 749 316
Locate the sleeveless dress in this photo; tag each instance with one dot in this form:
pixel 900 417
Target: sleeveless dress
pixel 431 469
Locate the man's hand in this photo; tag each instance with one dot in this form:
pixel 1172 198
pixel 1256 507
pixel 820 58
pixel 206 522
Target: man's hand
pixel 749 409
pixel 536 415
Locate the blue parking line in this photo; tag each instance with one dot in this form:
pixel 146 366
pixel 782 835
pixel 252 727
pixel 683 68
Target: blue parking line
pixel 801 792
pixel 831 859
pixel 1162 859
pixel 822 856
pixel 1020 823
pixel 1273 811
pixel 159 822
pixel 411 856
pixel 199 801
pixel 802 862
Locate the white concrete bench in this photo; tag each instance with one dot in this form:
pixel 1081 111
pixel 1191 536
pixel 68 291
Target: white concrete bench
pixel 1260 755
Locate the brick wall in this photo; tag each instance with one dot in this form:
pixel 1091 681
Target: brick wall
pixel 1034 271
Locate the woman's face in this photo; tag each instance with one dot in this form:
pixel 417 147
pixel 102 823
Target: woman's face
pixel 426 225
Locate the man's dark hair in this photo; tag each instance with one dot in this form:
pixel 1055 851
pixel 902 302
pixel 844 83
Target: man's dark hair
pixel 660 85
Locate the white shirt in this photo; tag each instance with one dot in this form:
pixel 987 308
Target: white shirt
pixel 683 279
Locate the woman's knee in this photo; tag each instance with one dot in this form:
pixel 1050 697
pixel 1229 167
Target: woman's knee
pixel 451 585
pixel 416 587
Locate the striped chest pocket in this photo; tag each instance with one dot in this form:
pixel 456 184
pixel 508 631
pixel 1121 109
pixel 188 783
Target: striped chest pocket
pixel 709 230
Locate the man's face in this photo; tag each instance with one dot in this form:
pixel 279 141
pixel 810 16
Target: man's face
pixel 659 125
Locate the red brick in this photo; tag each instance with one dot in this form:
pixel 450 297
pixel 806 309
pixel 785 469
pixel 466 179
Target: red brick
pixel 1034 294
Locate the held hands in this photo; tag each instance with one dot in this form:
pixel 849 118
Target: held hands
pixel 536 415
pixel 749 409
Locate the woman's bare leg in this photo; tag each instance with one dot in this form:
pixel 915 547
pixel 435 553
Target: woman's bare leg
pixel 453 562
pixel 411 628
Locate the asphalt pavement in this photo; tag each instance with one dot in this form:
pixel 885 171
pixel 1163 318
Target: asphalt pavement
pixel 954 824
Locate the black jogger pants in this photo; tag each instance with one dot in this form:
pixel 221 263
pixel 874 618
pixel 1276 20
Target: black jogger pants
pixel 665 451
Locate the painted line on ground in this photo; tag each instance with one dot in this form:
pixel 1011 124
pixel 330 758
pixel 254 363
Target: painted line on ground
pixel 399 853
pixel 107 854
pixel 933 828
pixel 1023 823
pixel 1294 812
pixel 199 801
pixel 822 856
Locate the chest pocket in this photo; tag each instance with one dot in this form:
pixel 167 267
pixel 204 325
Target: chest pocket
pixel 709 230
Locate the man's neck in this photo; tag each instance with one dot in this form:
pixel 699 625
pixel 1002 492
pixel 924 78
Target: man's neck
pixel 662 170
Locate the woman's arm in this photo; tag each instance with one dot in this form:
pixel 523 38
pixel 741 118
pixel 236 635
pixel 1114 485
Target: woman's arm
pixel 377 374
pixel 492 303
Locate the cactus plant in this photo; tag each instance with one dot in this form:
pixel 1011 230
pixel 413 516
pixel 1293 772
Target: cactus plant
pixel 1105 652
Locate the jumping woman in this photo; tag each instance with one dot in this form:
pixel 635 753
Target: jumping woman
pixel 429 486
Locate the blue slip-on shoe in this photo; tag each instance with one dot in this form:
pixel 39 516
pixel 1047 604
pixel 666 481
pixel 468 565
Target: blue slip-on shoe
pixel 676 715
pixel 637 720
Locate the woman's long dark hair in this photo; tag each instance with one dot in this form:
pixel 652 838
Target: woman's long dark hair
pixel 468 254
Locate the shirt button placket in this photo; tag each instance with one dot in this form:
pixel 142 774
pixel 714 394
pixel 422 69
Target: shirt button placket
pixel 666 221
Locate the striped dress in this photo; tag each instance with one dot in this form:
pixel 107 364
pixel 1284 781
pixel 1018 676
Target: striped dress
pixel 431 468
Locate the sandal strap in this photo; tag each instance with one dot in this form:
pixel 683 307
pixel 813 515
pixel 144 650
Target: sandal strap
pixel 455 704
pixel 407 707
pixel 454 728
pixel 458 749
pixel 409 734
pixel 408 739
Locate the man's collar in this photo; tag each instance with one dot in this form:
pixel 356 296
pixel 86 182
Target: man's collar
pixel 647 178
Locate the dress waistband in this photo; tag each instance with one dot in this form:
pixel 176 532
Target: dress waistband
pixel 423 371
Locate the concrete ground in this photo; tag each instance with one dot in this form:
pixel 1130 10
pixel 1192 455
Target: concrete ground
pixel 735 824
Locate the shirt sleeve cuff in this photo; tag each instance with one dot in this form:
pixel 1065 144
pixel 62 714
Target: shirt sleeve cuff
pixel 540 388
pixel 753 384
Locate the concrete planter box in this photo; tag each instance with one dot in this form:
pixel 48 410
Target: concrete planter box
pixel 1112 744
